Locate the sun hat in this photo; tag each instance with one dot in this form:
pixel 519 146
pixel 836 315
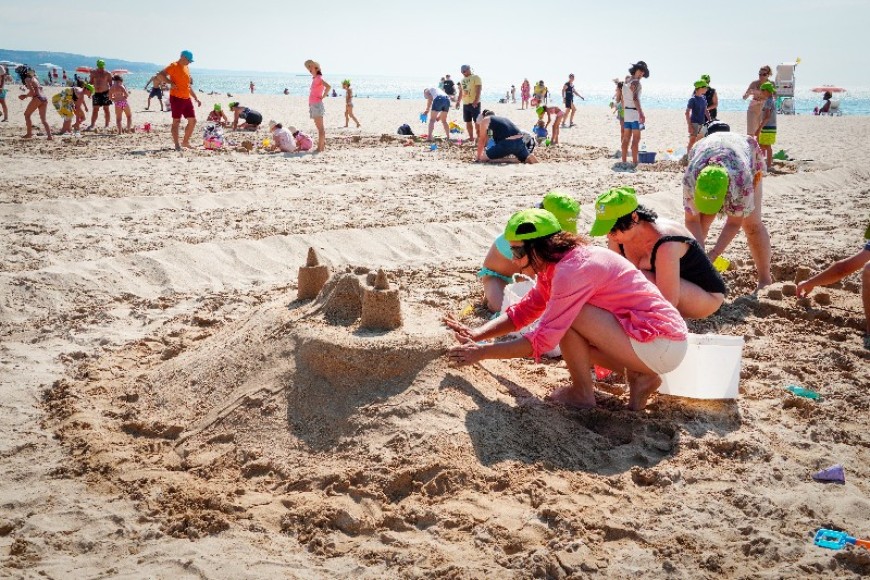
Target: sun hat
pixel 272 124
pixel 293 130
pixel 564 207
pixel 701 84
pixel 312 63
pixel 711 187
pixel 101 63
pixel 187 54
pixel 706 78
pixel 768 86
pixel 642 66
pixel 531 224
pixel 610 206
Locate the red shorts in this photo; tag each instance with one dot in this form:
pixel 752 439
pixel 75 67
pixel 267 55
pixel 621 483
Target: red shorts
pixel 181 108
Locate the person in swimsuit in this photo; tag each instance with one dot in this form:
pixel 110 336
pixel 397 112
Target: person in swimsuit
pixel 251 119
pixel 568 93
pixel 588 300
pixel 348 103
pixel 3 94
pixel 663 250
pixel 38 101
pixel 101 79
pixel 525 94
pixel 552 112
pixel 753 113
pixel 498 265
pixel 618 107
pixel 712 98
pixel 119 95
pixel 156 91
pixel 507 140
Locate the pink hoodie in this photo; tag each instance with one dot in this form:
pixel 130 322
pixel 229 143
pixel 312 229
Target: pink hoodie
pixel 602 278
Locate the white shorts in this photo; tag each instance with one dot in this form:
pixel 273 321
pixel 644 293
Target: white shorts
pixel 661 355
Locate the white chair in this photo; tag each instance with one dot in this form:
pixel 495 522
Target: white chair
pixel 835 108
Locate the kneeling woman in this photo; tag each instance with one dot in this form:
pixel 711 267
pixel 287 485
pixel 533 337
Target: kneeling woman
pixel 593 303
pixel 665 252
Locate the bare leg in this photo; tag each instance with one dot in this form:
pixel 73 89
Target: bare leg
pixel 95 112
pixel 188 131
pixel 493 292
pixel 5 110
pixel 432 117
pixel 43 108
pixel 129 115
pixel 558 122
pixel 107 115
pixel 573 112
pixel 758 240
pixel 470 128
pixel 175 124
pixel 321 134
pixel 118 113
pixel 865 294
pixel 635 144
pixel 148 104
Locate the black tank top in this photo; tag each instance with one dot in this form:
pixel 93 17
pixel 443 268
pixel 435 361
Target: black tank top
pixel 502 128
pixel 695 266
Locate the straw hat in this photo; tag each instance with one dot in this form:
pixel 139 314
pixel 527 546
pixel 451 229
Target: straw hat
pixel 272 124
pixel 312 63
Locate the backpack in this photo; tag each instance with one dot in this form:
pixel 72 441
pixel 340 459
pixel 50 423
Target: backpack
pixel 405 130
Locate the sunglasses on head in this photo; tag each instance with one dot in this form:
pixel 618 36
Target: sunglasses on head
pixel 519 252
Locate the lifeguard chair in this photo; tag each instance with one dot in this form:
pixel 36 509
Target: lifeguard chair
pixel 785 83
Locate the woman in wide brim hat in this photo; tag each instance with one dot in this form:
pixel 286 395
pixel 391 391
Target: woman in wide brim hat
pixel 319 89
pixel 595 305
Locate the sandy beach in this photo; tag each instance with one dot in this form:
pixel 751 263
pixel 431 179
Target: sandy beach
pixel 168 409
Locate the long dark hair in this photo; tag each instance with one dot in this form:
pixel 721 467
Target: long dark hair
pixel 550 249
pixel 644 214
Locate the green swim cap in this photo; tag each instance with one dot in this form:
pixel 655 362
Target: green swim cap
pixel 540 111
pixel 701 84
pixel 345 82
pixel 610 206
pixel 564 207
pixel 234 104
pixel 711 187
pixel 101 63
pixel 531 224
pixel 217 106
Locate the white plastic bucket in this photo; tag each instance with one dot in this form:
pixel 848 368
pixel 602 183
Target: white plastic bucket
pixel 710 370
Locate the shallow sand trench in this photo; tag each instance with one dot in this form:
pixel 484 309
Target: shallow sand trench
pixel 154 390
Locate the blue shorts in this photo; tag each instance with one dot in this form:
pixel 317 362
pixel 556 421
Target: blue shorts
pixel 441 104
pixel 508 147
pixel 632 125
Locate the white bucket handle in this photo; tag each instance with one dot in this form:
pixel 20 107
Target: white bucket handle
pixel 521 275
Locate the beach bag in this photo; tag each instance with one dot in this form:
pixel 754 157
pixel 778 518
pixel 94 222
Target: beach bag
pixel 405 130
pixel 513 293
pixel 213 136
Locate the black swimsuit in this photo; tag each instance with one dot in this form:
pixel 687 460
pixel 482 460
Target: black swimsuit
pixel 695 266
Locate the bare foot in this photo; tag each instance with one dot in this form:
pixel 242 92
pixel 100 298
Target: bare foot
pixel 177 147
pixel 763 283
pixel 640 389
pixel 28 136
pixel 571 397
pixel 187 145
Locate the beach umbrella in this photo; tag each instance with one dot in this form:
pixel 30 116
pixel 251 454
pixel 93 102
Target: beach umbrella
pixel 83 69
pixel 120 71
pixel 828 89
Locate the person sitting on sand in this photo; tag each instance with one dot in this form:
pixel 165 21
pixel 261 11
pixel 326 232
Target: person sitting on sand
pixel 826 104
pixel 282 139
pixel 839 270
pixel 508 140
pixel 554 115
pixel 591 302
pixel 664 250
pixel 69 103
pixel 251 119
pixel 303 141
pixel 498 265
pixel 218 116
pixel 38 101
pixel 438 103
pixel 724 174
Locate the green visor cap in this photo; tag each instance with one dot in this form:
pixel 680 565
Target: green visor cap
pixel 531 224
pixel 611 206
pixel 564 207
pixel 701 84
pixel 711 187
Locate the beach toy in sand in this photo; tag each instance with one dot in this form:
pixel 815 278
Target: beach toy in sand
pixel 433 147
pixel 601 372
pixel 467 310
pixel 709 370
pixel 832 474
pixel 781 155
pixel 146 127
pixel 459 142
pixel 423 117
pixel 312 277
pixel 547 142
pixel 721 264
pixel 803 392
pixel 266 142
pixel 837 540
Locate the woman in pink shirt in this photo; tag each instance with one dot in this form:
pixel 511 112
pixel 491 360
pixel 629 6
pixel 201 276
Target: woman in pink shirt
pixel 319 89
pixel 591 302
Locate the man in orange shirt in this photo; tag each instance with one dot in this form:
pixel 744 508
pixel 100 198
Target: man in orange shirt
pixel 180 98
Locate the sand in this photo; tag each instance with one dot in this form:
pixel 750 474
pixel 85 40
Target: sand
pixel 170 409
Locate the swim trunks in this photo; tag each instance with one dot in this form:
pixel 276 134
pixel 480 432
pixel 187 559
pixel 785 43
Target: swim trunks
pixel 181 107
pixel 156 92
pixel 101 99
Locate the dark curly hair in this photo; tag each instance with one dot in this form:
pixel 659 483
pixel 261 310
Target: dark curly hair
pixel 550 249
pixel 644 214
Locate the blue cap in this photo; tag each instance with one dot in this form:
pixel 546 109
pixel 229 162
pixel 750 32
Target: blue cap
pixel 187 54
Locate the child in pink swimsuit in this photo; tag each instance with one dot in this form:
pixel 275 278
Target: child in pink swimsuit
pixel 119 95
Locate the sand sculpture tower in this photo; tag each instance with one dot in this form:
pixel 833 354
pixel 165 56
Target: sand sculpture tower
pixel 381 307
pixel 312 277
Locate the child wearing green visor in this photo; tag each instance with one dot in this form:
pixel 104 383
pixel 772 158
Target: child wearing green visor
pixel 593 304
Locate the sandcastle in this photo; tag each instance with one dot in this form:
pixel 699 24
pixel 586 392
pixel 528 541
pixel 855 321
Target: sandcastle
pixel 381 307
pixel 312 277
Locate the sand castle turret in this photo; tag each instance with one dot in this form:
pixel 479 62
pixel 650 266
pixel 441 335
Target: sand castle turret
pixel 381 307
pixel 312 277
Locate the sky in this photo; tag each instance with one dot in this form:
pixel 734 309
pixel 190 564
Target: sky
pixel 503 41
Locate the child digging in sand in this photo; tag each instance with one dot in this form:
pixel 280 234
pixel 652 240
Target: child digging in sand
pixel 557 115
pixel 119 95
pixel 839 270
pixel 348 103
pixel 218 116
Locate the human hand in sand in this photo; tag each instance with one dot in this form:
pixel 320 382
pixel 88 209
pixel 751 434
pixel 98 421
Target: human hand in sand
pixel 462 332
pixel 465 354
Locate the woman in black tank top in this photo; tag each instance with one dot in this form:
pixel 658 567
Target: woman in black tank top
pixel 670 257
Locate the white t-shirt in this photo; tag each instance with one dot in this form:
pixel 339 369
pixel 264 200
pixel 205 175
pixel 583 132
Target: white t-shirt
pixel 434 93
pixel 284 140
